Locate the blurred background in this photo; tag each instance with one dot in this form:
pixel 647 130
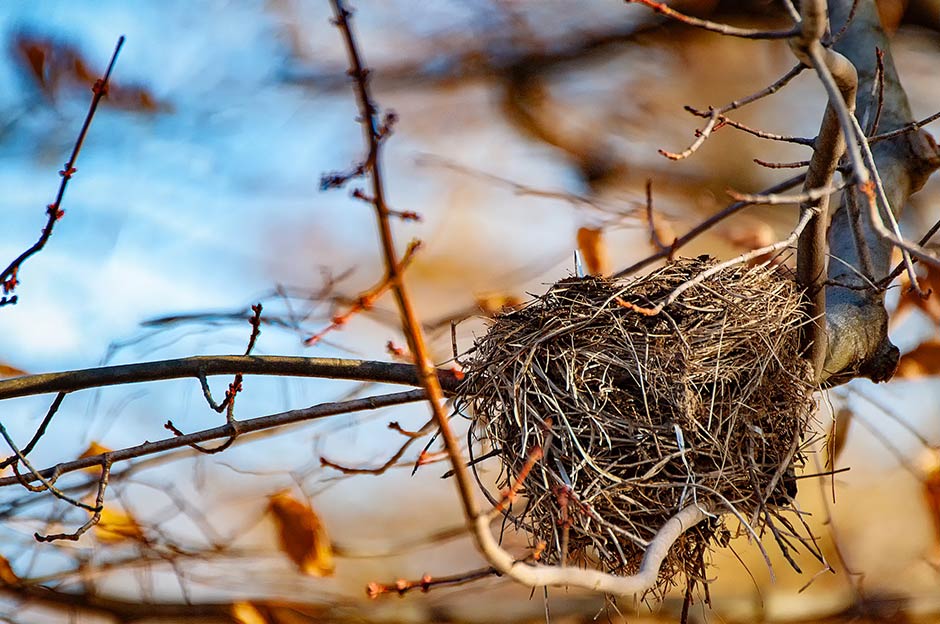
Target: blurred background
pixel 524 127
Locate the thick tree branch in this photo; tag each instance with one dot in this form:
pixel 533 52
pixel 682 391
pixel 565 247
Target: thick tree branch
pixel 855 315
pixel 202 366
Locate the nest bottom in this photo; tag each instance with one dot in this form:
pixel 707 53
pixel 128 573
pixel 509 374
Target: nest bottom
pixel 638 416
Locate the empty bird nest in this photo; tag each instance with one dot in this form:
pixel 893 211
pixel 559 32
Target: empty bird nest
pixel 633 416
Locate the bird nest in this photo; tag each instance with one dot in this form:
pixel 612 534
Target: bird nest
pixel 609 419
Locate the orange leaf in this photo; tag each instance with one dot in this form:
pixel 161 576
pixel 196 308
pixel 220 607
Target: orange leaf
pixel 11 371
pixel 302 535
pixel 493 304
pixel 924 361
pixel 117 526
pixel 93 449
pixel 594 250
pixel 247 613
pixel 7 576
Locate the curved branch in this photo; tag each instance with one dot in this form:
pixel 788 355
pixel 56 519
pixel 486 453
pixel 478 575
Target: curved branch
pixel 594 580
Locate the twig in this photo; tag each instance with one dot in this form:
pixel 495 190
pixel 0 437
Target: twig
pixel 774 199
pixel 412 326
pixel 724 29
pixel 897 270
pixel 427 582
pixel 766 91
pixel 411 436
pixel 96 514
pixel 914 126
pixel 40 431
pixel 751 255
pixel 367 299
pixel 548 576
pixel 702 227
pixel 761 134
pixel 47 482
pixel 9 277
pixel 701 135
pixel 250 425
pixel 650 220
pixel 228 403
pixel 797 164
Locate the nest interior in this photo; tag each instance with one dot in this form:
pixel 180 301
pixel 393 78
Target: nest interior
pixel 637 416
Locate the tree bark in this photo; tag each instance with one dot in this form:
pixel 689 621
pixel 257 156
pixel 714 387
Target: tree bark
pixel 857 322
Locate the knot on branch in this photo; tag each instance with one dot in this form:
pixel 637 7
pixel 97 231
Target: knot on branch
pixel 858 339
pixel 925 158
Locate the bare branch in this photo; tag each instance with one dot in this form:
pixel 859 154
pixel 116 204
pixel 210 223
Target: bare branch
pixel 553 576
pixel 203 365
pixel 225 431
pixel 9 277
pixel 723 29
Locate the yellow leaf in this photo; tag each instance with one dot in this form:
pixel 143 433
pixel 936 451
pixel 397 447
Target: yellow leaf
pixel 10 371
pixel 302 535
pixel 247 613
pixel 117 526
pixel 593 250
pixel 94 449
pixel 7 576
pixel 493 304
pixel 924 361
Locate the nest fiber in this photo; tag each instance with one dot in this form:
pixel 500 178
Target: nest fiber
pixel 634 416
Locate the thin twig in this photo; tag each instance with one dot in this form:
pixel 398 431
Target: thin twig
pixel 699 229
pixel 723 29
pixel 9 277
pixel 773 199
pixel 96 514
pixel 40 431
pixel 761 134
pixel 47 482
pixel 250 425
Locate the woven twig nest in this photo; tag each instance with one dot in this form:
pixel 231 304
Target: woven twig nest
pixel 637 416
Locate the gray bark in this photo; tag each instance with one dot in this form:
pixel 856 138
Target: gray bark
pixel 855 314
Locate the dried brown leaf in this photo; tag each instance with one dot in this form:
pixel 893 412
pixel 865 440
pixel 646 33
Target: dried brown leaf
pixel 7 575
pixel 10 371
pixel 117 526
pixel 924 361
pixel 593 250
pixel 302 535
